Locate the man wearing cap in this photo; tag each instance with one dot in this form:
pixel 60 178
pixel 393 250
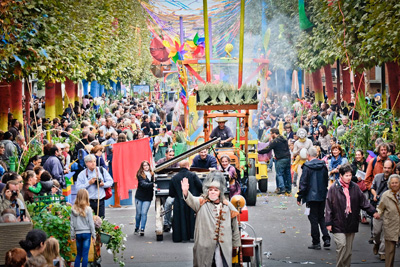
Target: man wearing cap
pixel 216 229
pixel 223 132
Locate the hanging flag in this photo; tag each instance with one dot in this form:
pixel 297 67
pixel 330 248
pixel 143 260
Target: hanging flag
pixel 305 23
pixel 127 157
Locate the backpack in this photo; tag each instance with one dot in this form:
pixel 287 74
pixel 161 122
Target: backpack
pixel 82 153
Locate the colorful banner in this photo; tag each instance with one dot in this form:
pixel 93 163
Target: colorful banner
pixel 127 157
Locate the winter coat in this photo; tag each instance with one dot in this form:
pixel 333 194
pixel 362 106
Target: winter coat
pixel 391 216
pixel 55 168
pixel 336 205
pixel 145 189
pixel 211 228
pixel 313 182
pixel 82 225
pixel 280 146
pixel 10 149
pixel 184 219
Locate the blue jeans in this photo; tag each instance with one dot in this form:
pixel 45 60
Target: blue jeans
pixel 283 177
pixel 82 247
pixel 142 207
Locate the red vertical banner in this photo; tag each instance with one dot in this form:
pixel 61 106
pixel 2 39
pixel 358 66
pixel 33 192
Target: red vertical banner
pixel 393 70
pixel 127 157
pixel 346 83
pixel 50 107
pixel 76 92
pixel 329 82
pixel 58 99
pixel 318 87
pixel 16 101
pixel 69 92
pixel 28 96
pixel 5 99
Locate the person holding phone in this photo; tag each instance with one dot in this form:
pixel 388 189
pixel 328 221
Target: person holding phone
pixel 10 200
pixel 82 226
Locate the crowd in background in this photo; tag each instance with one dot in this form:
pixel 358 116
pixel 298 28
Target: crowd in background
pixel 100 123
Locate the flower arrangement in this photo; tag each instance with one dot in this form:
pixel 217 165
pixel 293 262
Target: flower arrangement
pixel 116 244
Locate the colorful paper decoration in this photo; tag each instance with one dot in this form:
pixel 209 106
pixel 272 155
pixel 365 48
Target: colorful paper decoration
pixel 196 46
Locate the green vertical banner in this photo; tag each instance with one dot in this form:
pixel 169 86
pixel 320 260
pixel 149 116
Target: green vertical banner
pixel 305 23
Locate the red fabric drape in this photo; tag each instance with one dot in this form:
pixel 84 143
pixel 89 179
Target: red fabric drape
pixel 318 87
pixel 393 70
pixel 329 83
pixel 127 157
pixel 346 83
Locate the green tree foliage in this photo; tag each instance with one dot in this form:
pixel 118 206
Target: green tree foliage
pixel 365 33
pixel 79 39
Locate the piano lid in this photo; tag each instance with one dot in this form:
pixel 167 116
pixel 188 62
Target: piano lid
pixel 186 154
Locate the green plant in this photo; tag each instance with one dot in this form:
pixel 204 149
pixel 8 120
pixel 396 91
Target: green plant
pixel 55 221
pixel 118 238
pixel 34 149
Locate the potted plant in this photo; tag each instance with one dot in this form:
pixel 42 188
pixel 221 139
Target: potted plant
pixel 112 236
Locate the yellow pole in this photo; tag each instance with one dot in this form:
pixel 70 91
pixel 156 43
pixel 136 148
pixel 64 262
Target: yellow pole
pixel 207 41
pixel 241 43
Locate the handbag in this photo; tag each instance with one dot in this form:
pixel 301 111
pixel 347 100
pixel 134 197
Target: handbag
pixel 362 186
pixel 108 192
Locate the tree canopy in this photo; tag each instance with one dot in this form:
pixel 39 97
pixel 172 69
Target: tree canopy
pixel 78 39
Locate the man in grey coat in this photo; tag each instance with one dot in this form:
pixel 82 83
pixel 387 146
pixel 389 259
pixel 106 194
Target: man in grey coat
pixel 216 230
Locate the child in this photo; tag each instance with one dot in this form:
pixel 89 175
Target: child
pixel 52 253
pixel 82 226
pixel 44 186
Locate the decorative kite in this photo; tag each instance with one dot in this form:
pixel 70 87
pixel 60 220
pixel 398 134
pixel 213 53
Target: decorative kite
pixel 196 46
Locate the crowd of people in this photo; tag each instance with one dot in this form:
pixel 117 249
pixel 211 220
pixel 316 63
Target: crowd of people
pixel 340 192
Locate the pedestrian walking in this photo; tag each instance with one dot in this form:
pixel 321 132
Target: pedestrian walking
pixel 389 209
pixel 312 191
pixel 282 164
pixel 144 195
pixel 343 205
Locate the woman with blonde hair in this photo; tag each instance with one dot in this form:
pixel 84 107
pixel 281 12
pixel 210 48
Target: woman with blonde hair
pixel 52 253
pixel 82 226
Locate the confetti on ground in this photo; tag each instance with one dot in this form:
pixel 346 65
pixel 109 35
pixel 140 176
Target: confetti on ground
pixel 283 231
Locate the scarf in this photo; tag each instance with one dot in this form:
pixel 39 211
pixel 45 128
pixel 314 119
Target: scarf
pixel 347 194
pixel 335 163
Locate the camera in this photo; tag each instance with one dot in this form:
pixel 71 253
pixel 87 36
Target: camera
pixel 14 193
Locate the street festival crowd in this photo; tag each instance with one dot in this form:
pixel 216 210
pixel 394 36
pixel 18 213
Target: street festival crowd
pixel 309 161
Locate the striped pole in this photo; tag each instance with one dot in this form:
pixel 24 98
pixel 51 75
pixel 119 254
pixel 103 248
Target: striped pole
pixel 207 41
pixel 241 43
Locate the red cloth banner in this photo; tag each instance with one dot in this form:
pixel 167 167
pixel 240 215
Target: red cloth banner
pixel 127 157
